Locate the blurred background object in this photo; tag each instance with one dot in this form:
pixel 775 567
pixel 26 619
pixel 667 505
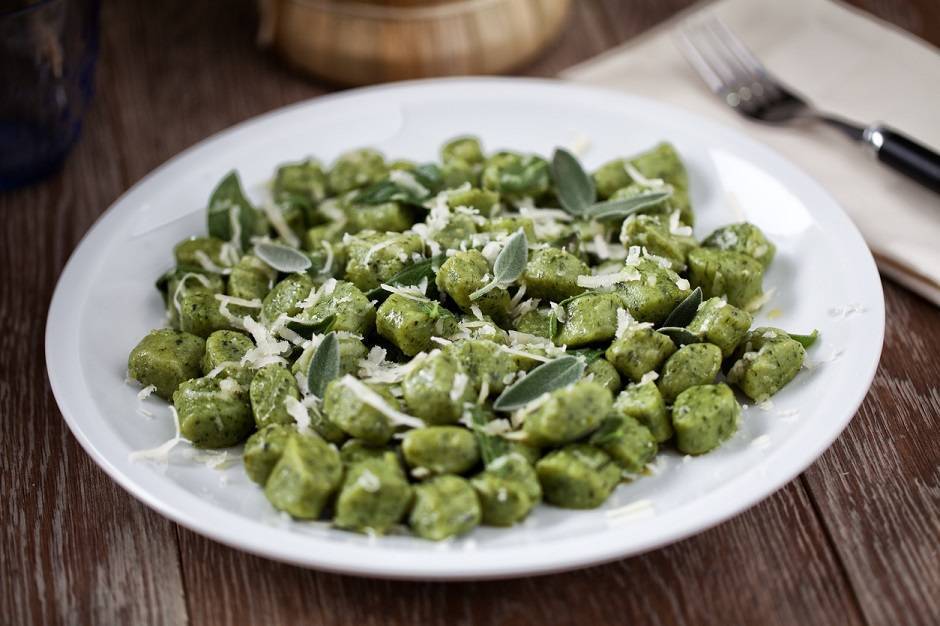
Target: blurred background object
pixel 48 50
pixel 369 41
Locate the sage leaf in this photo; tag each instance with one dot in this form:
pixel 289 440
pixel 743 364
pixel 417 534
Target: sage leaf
pixel 309 328
pixel 574 187
pixel 425 180
pixel 610 430
pixel 509 264
pixel 491 446
pixel 805 340
pixel 230 213
pixel 555 374
pixel 283 258
pixel 411 275
pixel 588 354
pixel 685 311
pixel 679 336
pixel 324 366
pixel 620 209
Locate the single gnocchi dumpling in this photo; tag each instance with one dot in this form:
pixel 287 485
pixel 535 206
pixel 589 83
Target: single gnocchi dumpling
pixel 508 490
pixel 577 476
pixel 589 318
pixel 645 404
pixel 445 506
pixel 766 360
pixel 213 413
pixel 437 389
pixel 304 479
pixel 735 276
pixel 691 365
pixel 410 324
pixel 703 416
pixel 568 414
pixel 263 450
pixel 552 274
pixel 437 450
pixel 356 169
pixel 374 496
pixel 165 358
pixel 639 350
pixel 721 324
pixel 374 258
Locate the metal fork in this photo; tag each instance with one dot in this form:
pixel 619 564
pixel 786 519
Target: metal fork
pixel 735 74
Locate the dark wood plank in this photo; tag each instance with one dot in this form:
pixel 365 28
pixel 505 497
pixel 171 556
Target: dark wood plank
pixel 878 487
pixel 75 548
pixel 920 17
pixel 769 566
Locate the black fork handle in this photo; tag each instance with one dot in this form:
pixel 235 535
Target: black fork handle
pixel 905 155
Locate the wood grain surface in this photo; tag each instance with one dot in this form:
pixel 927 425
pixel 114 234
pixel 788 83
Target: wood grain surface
pixel 854 540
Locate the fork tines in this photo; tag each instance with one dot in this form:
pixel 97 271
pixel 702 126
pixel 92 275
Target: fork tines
pixel 726 65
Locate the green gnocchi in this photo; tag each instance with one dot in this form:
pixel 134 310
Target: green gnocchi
pixel 442 345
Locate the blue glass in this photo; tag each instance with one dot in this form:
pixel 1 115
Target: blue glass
pixel 48 51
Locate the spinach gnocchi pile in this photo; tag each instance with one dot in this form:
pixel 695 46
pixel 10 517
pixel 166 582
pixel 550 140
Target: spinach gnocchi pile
pixel 448 344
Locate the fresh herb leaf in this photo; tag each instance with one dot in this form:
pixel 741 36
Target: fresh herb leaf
pixel 309 328
pixel 588 354
pixel 430 176
pixel 610 430
pixel 806 340
pixel 427 181
pixel 509 264
pixel 491 447
pixel 411 275
pixel 679 336
pixel 574 187
pixel 229 206
pixel 283 258
pixel 620 209
pixel 561 372
pixel 324 366
pixel 685 311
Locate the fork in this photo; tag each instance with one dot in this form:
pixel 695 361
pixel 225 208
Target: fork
pixel 736 75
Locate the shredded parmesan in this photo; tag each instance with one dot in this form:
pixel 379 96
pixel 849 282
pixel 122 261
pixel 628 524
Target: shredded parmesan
pixel 408 181
pixel 161 454
pixel 522 353
pixel 607 280
pixel 371 398
pixel 458 386
pixel 206 263
pixel 300 414
pixel 276 218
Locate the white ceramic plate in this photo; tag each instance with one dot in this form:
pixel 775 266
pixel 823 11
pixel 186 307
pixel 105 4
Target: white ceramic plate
pixel 824 278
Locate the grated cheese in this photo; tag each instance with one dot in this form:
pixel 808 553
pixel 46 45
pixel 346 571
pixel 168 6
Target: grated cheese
pixel 371 398
pixel 408 181
pixel 206 263
pixel 607 280
pixel 459 386
pixel 161 454
pixel 276 218
pixel 300 414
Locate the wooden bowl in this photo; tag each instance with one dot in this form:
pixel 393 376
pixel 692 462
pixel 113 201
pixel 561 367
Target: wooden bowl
pixel 357 43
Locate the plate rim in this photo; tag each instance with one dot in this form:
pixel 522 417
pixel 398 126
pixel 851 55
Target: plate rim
pixel 425 569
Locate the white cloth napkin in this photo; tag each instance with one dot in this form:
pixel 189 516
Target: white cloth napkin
pixel 842 60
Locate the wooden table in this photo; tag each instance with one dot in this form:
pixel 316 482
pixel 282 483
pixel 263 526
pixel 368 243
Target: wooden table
pixel 854 540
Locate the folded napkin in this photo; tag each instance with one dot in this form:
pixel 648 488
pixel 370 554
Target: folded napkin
pixel 843 61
